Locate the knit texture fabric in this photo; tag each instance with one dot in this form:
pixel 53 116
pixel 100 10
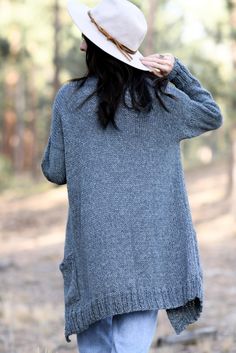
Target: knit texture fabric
pixel 130 240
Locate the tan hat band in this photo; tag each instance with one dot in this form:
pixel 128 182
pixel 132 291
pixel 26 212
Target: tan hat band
pixel 123 49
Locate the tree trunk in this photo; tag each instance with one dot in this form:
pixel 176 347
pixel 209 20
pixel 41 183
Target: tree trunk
pixel 31 141
pixel 20 125
pixel 150 38
pixel 233 193
pixel 9 122
pixel 56 59
pixel 232 160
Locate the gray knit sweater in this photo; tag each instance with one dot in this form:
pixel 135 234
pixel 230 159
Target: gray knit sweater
pixel 130 241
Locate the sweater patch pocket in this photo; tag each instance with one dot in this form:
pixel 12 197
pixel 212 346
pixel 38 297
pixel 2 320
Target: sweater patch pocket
pixel 69 273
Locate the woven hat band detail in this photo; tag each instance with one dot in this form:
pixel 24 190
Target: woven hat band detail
pixel 122 48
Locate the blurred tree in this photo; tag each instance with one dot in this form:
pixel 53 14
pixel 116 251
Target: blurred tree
pixel 56 59
pixel 231 5
pixel 151 19
pixel 39 50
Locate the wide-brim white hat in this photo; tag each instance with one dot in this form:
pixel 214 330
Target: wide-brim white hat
pixel 121 19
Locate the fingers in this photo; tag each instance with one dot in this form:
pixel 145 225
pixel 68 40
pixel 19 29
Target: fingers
pixel 154 58
pixel 167 57
pixel 154 61
pixel 156 65
pixel 155 69
pixel 156 73
pixel 160 56
pixel 161 65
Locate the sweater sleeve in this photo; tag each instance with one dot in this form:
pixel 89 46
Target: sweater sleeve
pixel 53 160
pixel 199 112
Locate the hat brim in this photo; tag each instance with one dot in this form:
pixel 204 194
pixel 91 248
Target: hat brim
pixel 79 15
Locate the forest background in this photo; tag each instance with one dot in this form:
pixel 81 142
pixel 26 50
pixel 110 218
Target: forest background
pixel 39 51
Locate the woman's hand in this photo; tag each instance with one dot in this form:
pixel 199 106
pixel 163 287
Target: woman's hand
pixel 161 64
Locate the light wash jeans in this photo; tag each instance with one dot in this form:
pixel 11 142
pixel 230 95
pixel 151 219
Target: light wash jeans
pixel 122 333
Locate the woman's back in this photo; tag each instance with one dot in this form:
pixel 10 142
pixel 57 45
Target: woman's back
pixel 130 242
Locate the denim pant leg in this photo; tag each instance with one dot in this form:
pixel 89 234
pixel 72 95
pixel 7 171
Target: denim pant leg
pixel 133 332
pixel 97 338
pixel 123 333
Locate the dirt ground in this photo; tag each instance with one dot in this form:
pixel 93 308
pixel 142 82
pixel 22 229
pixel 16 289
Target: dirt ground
pixel 32 232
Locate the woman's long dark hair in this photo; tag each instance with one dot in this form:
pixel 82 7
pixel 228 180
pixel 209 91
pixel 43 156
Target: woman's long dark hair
pixel 114 77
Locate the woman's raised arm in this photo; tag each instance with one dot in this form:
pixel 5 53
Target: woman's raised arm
pixel 196 112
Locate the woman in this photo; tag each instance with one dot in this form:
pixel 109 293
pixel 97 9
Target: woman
pixel 131 247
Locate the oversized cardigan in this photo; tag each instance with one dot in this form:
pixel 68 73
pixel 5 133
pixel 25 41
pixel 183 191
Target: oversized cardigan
pixel 130 242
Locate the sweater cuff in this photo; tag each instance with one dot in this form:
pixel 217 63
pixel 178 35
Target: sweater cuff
pixel 180 75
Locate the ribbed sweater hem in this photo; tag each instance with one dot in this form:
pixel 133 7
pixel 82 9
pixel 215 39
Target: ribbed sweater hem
pixel 183 306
